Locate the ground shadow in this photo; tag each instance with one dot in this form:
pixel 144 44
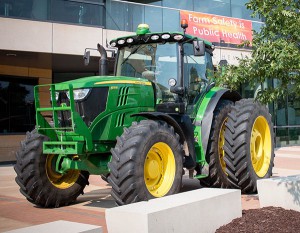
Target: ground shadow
pixel 292 184
pixel 97 198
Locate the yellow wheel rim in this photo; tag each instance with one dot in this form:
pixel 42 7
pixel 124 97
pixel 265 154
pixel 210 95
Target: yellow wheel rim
pixel 159 169
pixel 221 143
pixel 58 180
pixel 261 146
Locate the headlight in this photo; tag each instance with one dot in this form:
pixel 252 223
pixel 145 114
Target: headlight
pixel 79 94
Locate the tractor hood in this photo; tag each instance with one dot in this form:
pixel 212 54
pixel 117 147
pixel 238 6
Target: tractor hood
pixel 97 81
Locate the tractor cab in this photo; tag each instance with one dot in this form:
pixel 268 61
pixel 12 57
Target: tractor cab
pixel 178 65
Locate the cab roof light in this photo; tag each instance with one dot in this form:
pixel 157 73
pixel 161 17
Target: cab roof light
pixel 184 24
pixel 165 36
pixel 178 37
pixel 155 37
pixel 129 40
pixel 121 41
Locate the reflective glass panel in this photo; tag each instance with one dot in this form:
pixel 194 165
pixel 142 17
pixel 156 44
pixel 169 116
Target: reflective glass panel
pixel 184 5
pixel 17 113
pixel 282 137
pixel 216 7
pixel 115 15
pixel 29 9
pixel 294 136
pixel 239 10
pixel 150 2
pixel 153 17
pixel 171 20
pixel 77 12
pixel 136 15
pixel 293 110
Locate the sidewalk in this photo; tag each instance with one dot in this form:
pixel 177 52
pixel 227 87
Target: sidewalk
pixel 16 212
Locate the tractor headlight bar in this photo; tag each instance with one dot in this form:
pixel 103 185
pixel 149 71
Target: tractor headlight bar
pixel 79 94
pixel 178 37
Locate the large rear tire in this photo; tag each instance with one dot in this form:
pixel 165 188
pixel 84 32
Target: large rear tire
pixel 147 162
pixel 37 179
pixel 249 145
pixel 215 157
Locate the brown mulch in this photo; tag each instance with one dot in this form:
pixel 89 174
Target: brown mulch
pixel 266 220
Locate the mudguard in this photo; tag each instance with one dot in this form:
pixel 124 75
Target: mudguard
pixel 205 113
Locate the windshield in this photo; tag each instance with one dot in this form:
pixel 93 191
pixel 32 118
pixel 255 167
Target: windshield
pixel 155 62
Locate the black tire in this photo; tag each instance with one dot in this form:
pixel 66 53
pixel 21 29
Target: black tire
pixel 249 145
pixel 138 148
pixel 33 175
pixel 215 157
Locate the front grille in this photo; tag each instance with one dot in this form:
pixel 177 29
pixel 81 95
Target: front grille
pixel 88 108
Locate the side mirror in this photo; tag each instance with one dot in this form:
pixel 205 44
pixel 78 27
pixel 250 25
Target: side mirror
pixel 199 47
pixel 86 57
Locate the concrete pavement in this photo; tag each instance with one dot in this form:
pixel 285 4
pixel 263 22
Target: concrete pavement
pixel 16 212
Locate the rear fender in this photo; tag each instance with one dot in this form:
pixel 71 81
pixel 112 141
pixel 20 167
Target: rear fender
pixel 204 116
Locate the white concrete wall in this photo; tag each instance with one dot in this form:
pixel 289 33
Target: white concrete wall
pixel 280 192
pixel 25 35
pixel 47 37
pixel 203 210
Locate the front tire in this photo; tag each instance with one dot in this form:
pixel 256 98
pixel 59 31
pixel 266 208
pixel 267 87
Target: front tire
pixel 249 145
pixel 37 178
pixel 147 162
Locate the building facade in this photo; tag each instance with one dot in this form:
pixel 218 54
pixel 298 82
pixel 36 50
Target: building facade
pixel 42 41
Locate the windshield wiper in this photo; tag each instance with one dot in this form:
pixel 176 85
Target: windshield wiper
pixel 133 52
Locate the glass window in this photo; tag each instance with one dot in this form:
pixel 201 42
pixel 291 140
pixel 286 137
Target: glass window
pixel 77 12
pixel 171 20
pixel 282 137
pixel 293 110
pixel 149 2
pixel 195 70
pixel 115 15
pixel 281 112
pixel 216 7
pixel 294 136
pixel 17 113
pixel 256 26
pixel 184 5
pixel 16 8
pixel 153 17
pixel 239 10
pixel 136 15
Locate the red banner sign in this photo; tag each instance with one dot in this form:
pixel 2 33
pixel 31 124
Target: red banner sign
pixel 215 28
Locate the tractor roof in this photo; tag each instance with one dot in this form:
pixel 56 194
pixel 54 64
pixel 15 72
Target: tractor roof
pixel 144 36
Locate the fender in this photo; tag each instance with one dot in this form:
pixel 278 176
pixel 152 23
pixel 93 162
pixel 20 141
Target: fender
pixel 205 113
pixel 183 126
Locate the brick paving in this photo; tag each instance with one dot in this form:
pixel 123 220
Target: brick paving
pixel 16 212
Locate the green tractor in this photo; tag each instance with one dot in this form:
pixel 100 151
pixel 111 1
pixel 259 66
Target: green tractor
pixel 158 116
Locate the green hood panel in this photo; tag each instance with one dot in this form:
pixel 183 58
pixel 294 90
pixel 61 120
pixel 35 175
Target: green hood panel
pixel 97 81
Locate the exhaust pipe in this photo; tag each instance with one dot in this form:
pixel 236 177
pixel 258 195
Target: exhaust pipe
pixel 102 61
